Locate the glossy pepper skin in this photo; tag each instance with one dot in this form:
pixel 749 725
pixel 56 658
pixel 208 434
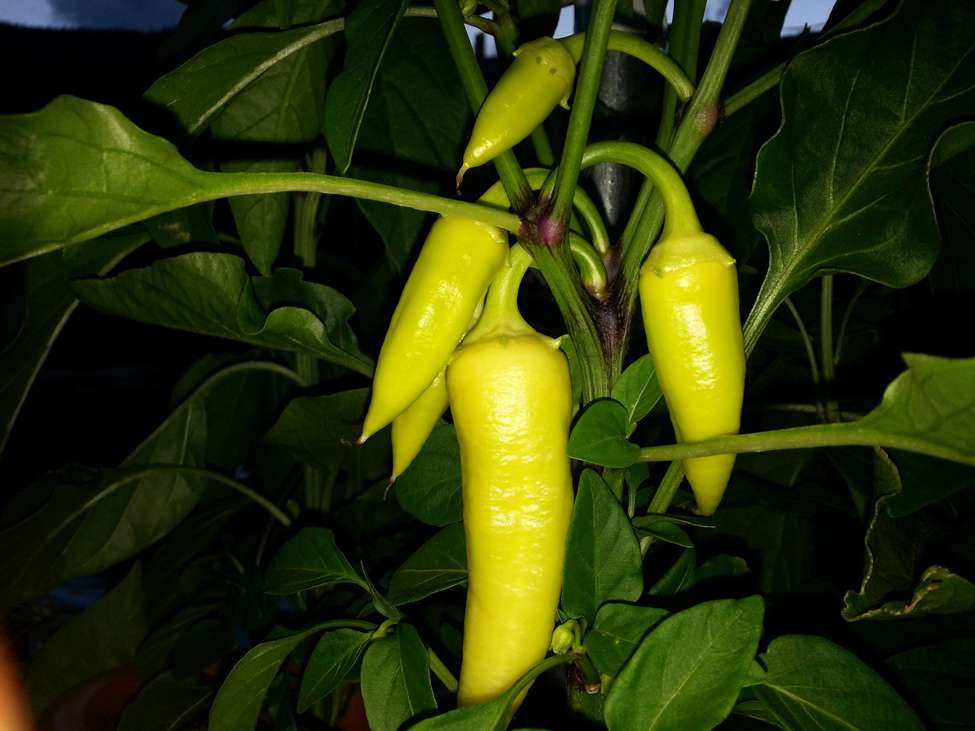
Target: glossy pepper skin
pixel 540 77
pixel 456 264
pixel 511 401
pixel 413 426
pixel 689 298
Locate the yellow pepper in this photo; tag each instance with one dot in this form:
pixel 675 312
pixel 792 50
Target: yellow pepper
pixel 540 77
pixel 689 297
pixel 413 426
pixel 511 401
pixel 456 264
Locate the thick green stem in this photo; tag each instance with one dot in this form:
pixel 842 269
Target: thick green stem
pixel 801 437
pixel 584 102
pixel 248 183
pixel 441 671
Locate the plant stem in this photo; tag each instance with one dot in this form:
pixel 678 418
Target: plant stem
pixel 441 671
pixel 800 437
pixel 827 357
pixel 248 183
pixel 584 102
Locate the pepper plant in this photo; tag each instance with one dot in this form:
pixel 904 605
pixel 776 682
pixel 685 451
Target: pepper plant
pixel 252 222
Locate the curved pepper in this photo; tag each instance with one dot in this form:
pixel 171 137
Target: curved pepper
pixel 689 298
pixel 511 401
pixel 540 77
pixel 457 262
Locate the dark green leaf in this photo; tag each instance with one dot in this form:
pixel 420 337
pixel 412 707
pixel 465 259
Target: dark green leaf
pixel 319 430
pixel 430 489
pixel 665 531
pixel 279 113
pixel 599 435
pixel 167 704
pixel 75 170
pixel 211 294
pixel 396 681
pixel 335 655
pixel 438 564
pixel 201 645
pixel 843 185
pixel 637 389
pixel 925 481
pixel 198 90
pixel 309 560
pixel 85 527
pixel 103 638
pixel 812 683
pixel 938 592
pixel 679 577
pixel 49 303
pixel 412 131
pixel 893 546
pixel 157 647
pixel 616 633
pixel 688 671
pixel 240 698
pixel 782 541
pixel 368 30
pixel 602 557
pixel 941 677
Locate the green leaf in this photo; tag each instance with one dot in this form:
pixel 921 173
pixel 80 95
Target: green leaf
pixel 211 294
pixel 438 564
pixel 938 592
pixel 166 703
pixel 333 657
pixel 930 408
pixel 103 638
pixel 617 632
pixel 430 489
pixel 842 187
pixel 688 671
pixel 75 170
pixel 309 560
pixel 396 684
pixel 198 90
pixel 599 435
pixel 368 30
pixel 411 132
pixel 812 683
pixel 926 481
pixel 680 577
pixel 941 677
pixel 319 430
pixel 240 698
pixel 953 188
pixel 782 541
pixel 49 302
pixel 602 557
pixel 90 524
pixel 663 530
pixel 280 113
pixel 894 546
pixel 637 389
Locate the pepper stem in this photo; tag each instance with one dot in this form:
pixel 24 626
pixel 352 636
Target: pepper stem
pixel 642 50
pixel 681 218
pixel 501 307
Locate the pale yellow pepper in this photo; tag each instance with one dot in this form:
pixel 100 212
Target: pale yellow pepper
pixel 456 264
pixel 689 298
pixel 511 401
pixel 540 77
